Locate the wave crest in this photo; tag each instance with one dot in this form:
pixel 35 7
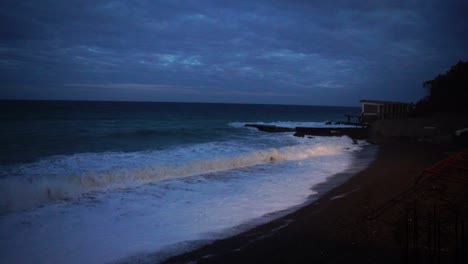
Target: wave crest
pixel 24 192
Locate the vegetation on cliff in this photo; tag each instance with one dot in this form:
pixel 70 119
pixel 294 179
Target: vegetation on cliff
pixel 447 93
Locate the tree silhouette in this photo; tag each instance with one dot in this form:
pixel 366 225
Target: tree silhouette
pixel 447 92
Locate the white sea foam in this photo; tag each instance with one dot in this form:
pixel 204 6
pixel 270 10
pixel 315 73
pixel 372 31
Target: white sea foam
pixel 66 177
pixel 236 184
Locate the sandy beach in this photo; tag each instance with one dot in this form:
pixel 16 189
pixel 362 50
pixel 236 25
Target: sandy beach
pixel 335 228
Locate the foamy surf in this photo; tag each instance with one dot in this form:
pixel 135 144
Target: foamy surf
pixel 68 177
pixel 156 220
pixel 98 182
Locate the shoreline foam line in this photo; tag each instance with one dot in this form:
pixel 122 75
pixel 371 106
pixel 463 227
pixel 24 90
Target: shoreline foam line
pixel 113 225
pixel 31 190
pixel 360 161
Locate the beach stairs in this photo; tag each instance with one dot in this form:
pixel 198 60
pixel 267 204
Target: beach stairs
pixel 431 217
pixel 452 169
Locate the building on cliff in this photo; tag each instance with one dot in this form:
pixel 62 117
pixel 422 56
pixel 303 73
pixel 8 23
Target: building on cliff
pixel 372 110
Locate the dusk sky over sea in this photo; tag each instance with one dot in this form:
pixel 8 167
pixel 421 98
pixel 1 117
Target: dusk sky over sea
pixel 279 52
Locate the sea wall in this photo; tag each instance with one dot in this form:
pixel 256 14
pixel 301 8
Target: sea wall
pixel 354 132
pixel 436 129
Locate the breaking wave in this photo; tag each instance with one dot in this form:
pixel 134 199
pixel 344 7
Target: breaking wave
pixel 67 177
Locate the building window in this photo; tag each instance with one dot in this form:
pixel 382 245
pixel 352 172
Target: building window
pixel 370 109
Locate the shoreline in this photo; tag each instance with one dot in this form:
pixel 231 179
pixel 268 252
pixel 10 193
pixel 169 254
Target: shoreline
pixel 360 160
pixel 330 228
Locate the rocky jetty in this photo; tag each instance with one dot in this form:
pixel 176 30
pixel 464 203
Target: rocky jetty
pixel 271 128
pixel 352 132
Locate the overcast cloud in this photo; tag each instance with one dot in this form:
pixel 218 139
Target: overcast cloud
pixel 288 52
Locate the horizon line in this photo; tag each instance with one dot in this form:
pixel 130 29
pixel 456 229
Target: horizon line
pixel 180 102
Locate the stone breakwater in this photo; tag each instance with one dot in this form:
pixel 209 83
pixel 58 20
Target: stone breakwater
pixel 352 132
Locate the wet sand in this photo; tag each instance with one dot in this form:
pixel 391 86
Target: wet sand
pixel 333 228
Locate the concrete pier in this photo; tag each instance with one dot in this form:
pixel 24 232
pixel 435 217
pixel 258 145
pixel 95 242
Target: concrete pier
pixel 352 132
pixel 270 128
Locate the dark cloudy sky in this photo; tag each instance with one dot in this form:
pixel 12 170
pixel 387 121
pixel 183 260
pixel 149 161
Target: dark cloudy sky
pixel 287 52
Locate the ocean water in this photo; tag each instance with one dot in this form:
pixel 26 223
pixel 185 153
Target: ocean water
pixel 98 182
